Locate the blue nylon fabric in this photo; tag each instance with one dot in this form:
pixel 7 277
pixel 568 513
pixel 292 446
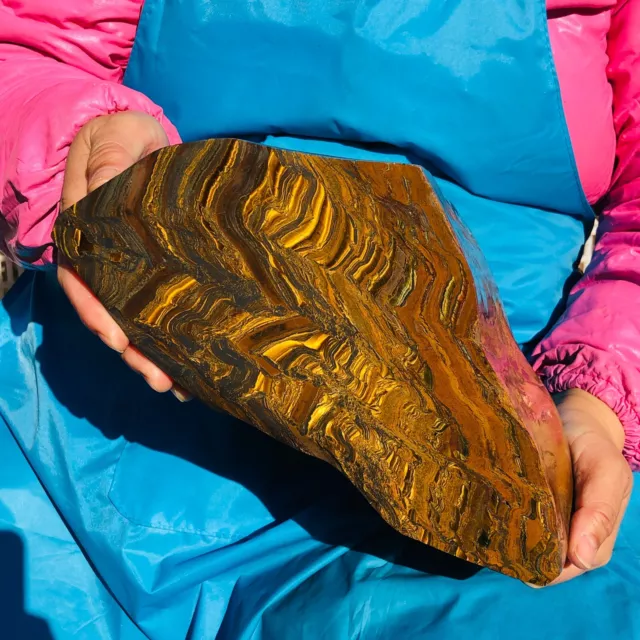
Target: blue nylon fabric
pixel 141 517
pixel 196 526
pixel 467 88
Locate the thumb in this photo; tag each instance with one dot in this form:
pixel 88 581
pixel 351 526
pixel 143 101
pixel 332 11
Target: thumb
pixel 105 147
pixel 603 485
pixel 108 158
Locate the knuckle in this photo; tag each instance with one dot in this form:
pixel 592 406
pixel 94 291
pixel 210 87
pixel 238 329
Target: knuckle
pixel 604 518
pixel 155 377
pixel 112 331
pixel 109 156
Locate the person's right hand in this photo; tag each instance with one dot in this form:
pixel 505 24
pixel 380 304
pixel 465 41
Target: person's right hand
pixel 102 149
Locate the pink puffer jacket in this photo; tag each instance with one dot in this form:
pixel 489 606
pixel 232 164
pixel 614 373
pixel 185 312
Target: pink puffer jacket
pixel 62 64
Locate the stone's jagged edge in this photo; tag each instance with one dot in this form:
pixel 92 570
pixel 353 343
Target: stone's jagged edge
pixel 329 303
pixel 525 390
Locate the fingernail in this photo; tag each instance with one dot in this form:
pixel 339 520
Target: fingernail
pixel 533 586
pixel 104 339
pixel 586 550
pixel 181 395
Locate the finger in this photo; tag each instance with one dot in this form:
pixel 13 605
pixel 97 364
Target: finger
pixel 125 139
pixel 74 186
pixel 93 315
pixel 569 573
pixel 93 162
pixel 572 571
pixel 108 159
pixel 603 485
pixel 106 147
pixel 157 379
pixel 181 394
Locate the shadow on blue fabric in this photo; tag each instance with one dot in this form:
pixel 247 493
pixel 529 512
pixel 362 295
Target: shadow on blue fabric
pixel 16 622
pixel 236 453
pixel 147 519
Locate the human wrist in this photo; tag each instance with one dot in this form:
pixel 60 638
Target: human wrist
pixel 601 417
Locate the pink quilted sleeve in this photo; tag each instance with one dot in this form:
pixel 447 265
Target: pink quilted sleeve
pixel 61 64
pixel 596 344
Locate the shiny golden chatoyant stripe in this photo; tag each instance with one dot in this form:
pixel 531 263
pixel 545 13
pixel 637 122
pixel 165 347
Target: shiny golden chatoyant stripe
pixel 328 303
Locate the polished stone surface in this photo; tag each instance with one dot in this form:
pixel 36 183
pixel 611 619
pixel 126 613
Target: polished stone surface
pixel 330 304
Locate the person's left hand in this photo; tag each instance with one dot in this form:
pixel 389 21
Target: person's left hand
pixel 602 480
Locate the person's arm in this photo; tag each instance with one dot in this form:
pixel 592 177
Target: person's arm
pixel 596 344
pixel 61 66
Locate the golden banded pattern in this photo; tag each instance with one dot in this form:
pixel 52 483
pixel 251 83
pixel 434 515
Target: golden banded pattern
pixel 329 303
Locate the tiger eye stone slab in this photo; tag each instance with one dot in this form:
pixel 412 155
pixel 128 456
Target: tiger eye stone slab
pixel 342 308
